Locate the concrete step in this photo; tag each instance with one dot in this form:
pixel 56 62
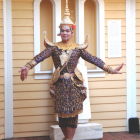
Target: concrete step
pixel 88 131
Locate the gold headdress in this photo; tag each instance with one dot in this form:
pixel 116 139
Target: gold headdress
pixel 66 20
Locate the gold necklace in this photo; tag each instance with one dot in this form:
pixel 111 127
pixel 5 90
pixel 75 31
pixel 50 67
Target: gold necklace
pixel 66 46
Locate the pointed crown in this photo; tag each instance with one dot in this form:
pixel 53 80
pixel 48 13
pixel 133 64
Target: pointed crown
pixel 66 20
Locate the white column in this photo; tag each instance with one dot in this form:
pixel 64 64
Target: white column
pixel 8 69
pixel 80 36
pixel 130 60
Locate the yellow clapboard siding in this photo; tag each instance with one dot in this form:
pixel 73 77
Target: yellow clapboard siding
pixel 138 53
pixel 1 97
pixel 33 111
pixel 137 22
pixel 29 80
pixel 137 14
pixel 23 47
pixel 115 6
pixel 1 121
pixel 104 84
pixel 137 60
pixel 1 39
pixel 1 55
pixel 123 30
pixel 32 127
pixel 137 30
pixel 30 1
pixel 115 129
pixel 1 81
pixel 31 134
pixel 137 45
pixel 33 103
pixel 1 22
pixel 1 47
pixel 138 84
pixel 1 30
pixel 123 53
pixel 1 105
pixel 107 92
pixel 16 72
pixel 23 55
pixel 107 100
pixel 34 119
pixel 1 113
pixel 22 31
pixel 137 37
pixel 0 4
pixel 23 39
pixel 123 37
pixel 123 21
pixel 116 14
pixel 31 87
pixel 108 115
pixel 1 88
pixel 19 63
pixel 22 14
pixel 138 99
pixel 108 107
pixel 112 123
pixel 109 77
pixel 22 22
pixel 1 13
pixel 22 6
pixel 31 95
pixel 138 74
pixel 1 130
pixel 115 61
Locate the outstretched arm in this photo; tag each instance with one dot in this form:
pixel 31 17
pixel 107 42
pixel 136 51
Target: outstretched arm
pixel 99 63
pixel 37 59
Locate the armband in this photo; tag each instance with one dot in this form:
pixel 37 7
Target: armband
pixel 108 69
pixel 31 64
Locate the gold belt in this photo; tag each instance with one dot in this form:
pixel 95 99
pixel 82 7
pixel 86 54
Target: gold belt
pixel 66 75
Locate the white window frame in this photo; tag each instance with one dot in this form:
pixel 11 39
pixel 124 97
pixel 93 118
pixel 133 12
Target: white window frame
pixel 100 39
pixel 56 13
pixel 56 21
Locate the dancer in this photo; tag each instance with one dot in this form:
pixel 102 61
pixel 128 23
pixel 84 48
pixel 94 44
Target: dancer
pixel 66 85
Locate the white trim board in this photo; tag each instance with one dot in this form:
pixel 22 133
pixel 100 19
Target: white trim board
pixel 8 69
pixel 130 60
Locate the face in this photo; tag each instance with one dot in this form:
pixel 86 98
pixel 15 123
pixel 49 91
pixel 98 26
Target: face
pixel 66 34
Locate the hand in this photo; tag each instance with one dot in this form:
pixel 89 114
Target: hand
pixel 117 70
pixel 24 73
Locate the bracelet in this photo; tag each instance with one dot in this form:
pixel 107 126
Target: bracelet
pixel 31 64
pixel 108 69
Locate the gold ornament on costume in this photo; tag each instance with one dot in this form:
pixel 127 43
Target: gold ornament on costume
pixel 63 57
pixel 108 69
pixel 66 46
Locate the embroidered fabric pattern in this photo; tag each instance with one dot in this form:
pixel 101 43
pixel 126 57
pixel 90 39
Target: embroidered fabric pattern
pixel 92 59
